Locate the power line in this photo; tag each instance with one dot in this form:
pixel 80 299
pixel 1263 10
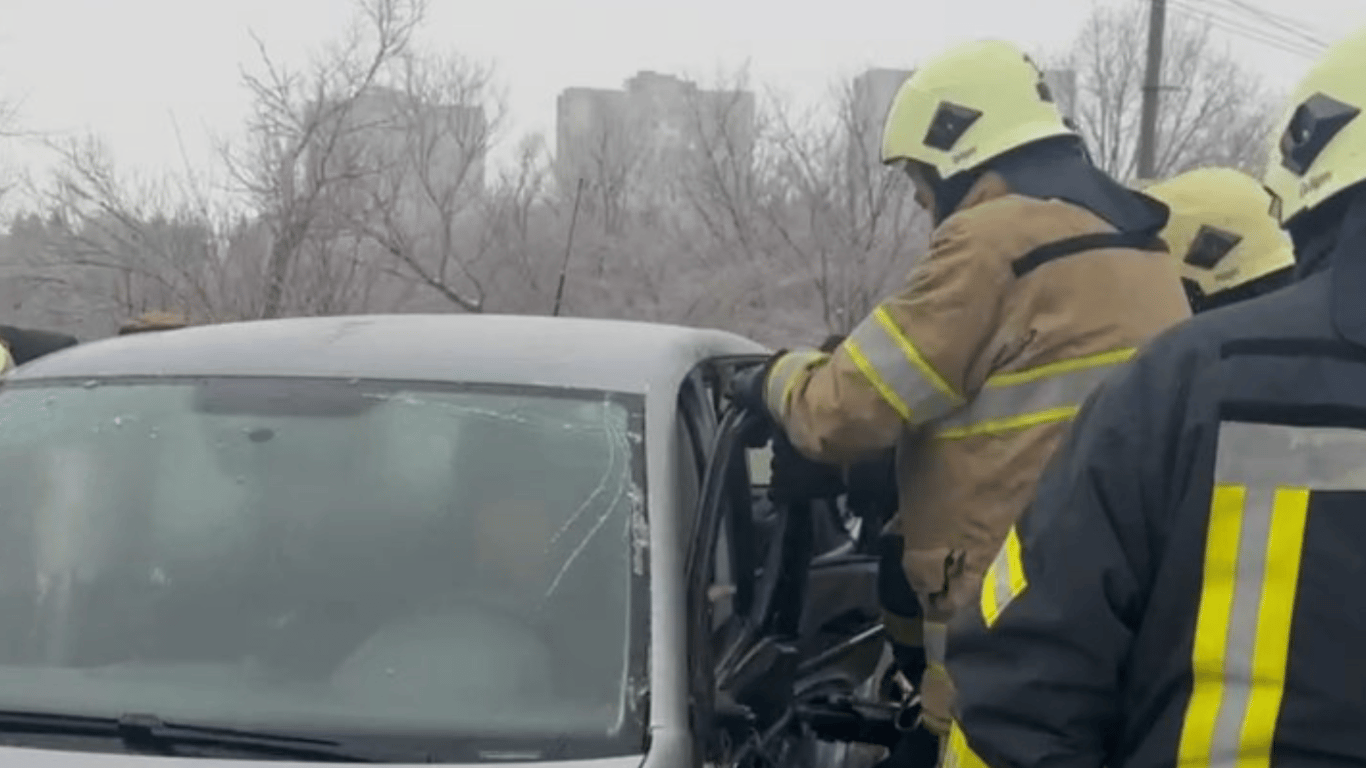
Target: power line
pixel 1282 29
pixel 1284 23
pixel 1249 31
pixel 1253 27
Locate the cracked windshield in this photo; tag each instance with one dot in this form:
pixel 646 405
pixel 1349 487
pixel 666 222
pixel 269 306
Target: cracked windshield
pixel 319 554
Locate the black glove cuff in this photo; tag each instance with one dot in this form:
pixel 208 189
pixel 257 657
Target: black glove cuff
pixel 767 370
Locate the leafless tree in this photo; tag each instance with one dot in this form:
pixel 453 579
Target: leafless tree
pixel 722 174
pixel 9 116
pixel 127 247
pixel 809 211
pixel 607 147
pixel 429 135
pixel 525 228
pixel 300 155
pixel 1213 110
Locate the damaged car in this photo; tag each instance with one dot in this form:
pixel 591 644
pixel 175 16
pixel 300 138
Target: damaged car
pixel 416 539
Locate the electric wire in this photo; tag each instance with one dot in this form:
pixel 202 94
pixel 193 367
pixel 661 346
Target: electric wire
pixel 1235 24
pixel 1281 22
pixel 1250 26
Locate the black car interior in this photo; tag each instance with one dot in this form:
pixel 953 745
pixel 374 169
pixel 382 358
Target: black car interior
pixel 786 631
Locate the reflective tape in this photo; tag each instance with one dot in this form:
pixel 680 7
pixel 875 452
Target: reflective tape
pixel 1264 475
pixel 896 369
pixel 936 642
pixel 783 377
pixel 1042 395
pixel 6 362
pixel 1004 580
pixel 957 753
pixel 1271 455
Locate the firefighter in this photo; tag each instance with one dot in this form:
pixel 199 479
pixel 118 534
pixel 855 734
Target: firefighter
pixel 1230 246
pixel 155 320
pixel 1184 588
pixel 1042 276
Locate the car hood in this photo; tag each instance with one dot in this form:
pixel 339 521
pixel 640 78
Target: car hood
pixel 18 757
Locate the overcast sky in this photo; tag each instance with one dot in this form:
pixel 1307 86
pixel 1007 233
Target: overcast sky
pixel 132 70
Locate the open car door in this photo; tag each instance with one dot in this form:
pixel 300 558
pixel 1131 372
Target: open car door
pixel 790 673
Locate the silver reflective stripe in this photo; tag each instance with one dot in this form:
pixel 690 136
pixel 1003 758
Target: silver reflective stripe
pixel 936 642
pixel 1242 624
pixel 1001 578
pixel 1005 579
pixel 1263 478
pixel 897 370
pixel 1041 395
pixel 784 374
pixel 1267 455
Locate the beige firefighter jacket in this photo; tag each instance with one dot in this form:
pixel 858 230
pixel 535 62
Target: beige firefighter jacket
pixel 973 370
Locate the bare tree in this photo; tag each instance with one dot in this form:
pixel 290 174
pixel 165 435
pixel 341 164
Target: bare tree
pixel 431 133
pixel 525 229
pixel 117 247
pixel 9 116
pixel 1213 111
pixel 603 142
pixel 300 155
pixel 721 176
pixel 815 218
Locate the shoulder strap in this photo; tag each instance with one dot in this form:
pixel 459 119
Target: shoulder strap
pixel 1142 241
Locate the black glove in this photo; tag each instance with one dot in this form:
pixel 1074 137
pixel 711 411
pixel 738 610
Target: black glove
pixel 747 385
pixel 873 490
pixel 797 478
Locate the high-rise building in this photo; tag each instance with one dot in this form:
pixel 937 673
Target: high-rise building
pixel 637 141
pixel 400 138
pixel 870 98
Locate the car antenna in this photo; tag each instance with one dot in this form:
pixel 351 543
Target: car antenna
pixel 568 248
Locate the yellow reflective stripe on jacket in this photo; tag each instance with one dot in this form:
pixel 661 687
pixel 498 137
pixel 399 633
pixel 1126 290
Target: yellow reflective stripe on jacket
pixel 784 375
pixel 1004 580
pixel 1042 395
pixel 957 754
pixel 1264 475
pixel 6 362
pixel 896 369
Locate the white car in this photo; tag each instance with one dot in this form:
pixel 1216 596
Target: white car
pixel 407 539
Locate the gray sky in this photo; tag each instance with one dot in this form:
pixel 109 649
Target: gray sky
pixel 131 70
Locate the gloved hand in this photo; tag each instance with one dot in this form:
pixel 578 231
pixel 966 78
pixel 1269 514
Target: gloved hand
pixel 747 385
pixel 747 388
pixel 797 478
pixel 873 489
pixel 936 693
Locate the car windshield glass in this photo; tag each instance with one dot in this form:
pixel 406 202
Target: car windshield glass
pixel 349 557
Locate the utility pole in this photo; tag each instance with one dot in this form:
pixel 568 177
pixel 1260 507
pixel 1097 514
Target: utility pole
pixel 1152 88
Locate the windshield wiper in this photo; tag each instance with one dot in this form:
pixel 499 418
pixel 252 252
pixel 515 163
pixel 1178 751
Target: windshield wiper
pixel 149 733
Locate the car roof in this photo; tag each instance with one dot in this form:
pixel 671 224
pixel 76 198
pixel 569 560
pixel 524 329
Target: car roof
pixel 579 353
